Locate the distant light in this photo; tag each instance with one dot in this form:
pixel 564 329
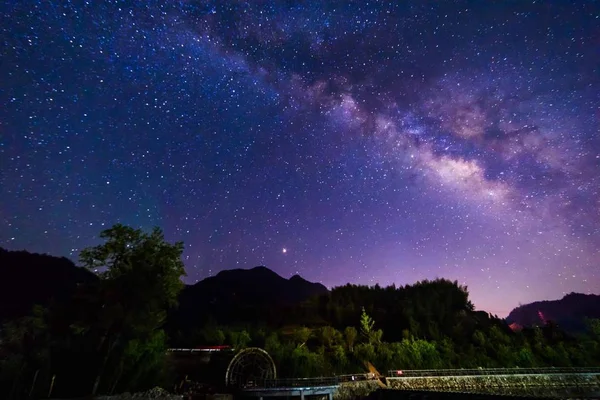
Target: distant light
pixel 284 250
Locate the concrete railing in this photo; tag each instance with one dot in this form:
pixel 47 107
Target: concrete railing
pixel 312 382
pixel 298 382
pixel 399 373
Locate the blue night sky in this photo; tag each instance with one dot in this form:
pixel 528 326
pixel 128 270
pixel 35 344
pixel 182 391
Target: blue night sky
pixel 363 142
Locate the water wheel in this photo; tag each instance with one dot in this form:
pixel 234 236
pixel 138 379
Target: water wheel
pixel 250 367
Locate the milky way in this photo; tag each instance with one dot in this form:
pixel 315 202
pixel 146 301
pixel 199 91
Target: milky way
pixel 348 142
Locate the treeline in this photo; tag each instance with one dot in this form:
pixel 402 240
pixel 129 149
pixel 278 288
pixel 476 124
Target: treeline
pixel 112 335
pixel 430 324
pixel 108 337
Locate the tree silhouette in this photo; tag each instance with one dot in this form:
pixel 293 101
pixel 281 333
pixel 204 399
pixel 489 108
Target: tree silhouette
pixel 140 280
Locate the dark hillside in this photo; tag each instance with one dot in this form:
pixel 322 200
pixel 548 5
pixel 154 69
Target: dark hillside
pixel 241 296
pixel 569 313
pixel 27 279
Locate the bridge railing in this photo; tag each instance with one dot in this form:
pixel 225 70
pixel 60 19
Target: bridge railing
pixel 298 382
pixel 356 377
pixel 336 380
pixel 400 373
pixel 312 382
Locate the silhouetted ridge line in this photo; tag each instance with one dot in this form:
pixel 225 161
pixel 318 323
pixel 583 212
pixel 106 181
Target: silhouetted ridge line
pixel 569 312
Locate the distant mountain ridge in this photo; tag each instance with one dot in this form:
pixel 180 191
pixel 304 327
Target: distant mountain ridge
pixel 259 283
pixel 569 312
pixel 251 293
pixel 27 279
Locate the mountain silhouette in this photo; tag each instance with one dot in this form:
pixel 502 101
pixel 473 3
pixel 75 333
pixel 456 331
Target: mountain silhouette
pixel 242 295
pixel 568 313
pixel 28 279
pixel 258 285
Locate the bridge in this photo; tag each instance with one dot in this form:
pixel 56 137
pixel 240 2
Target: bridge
pixel 429 384
pixel 301 387
pixel 252 373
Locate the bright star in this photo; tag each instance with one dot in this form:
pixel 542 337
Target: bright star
pixel 284 250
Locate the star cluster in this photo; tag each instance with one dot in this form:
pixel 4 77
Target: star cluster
pixel 363 142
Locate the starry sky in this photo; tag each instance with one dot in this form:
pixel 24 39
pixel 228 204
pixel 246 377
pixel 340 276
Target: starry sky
pixel 358 141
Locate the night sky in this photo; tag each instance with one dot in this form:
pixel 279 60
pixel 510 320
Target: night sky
pixel 362 142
